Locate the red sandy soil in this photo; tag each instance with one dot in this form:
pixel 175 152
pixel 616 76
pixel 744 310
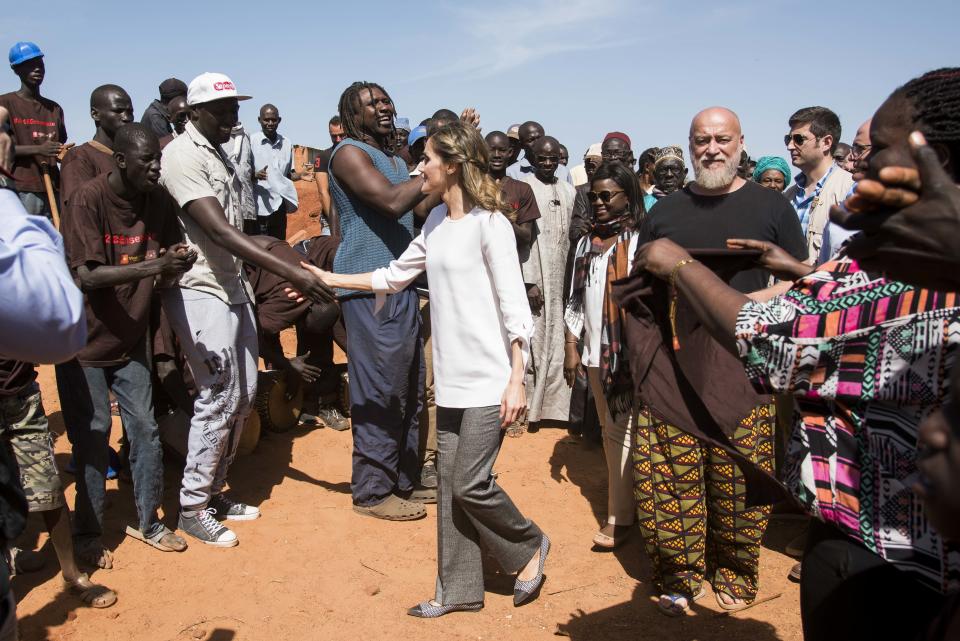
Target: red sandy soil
pixel 311 568
pixel 307 217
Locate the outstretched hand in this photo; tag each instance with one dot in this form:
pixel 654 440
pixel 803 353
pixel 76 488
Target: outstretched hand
pixel 774 259
pixel 308 284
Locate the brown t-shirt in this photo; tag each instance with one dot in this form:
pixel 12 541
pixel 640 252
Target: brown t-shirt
pixel 15 376
pixel 33 123
pixel 82 164
pixel 275 310
pixel 521 199
pixel 104 229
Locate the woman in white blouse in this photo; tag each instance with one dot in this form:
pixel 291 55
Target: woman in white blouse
pixel 481 326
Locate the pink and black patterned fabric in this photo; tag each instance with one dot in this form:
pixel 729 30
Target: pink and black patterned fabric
pixel 867 360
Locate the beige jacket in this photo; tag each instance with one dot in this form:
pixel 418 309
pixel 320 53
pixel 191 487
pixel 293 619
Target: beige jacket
pixel 834 191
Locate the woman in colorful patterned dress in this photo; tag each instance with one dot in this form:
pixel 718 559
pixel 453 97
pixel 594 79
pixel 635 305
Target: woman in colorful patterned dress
pixel 867 360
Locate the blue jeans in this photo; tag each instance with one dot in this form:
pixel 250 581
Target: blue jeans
pixel 386 383
pixel 85 401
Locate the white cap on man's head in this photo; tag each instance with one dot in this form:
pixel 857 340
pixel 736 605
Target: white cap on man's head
pixel 211 86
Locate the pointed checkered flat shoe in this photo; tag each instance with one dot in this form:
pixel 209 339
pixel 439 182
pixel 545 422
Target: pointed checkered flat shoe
pixel 524 591
pixel 427 610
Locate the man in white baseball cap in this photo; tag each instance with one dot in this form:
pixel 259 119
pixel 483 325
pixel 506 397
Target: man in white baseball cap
pixel 211 86
pixel 211 306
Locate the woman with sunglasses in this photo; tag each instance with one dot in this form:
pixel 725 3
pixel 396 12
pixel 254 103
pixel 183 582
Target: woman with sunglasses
pixel 481 328
pixel 601 257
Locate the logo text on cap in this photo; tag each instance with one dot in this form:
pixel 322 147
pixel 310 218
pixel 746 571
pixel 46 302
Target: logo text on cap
pixel 225 85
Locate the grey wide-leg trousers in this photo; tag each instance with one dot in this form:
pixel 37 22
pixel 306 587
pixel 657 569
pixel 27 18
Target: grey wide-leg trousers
pixel 472 508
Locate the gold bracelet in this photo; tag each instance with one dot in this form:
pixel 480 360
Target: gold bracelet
pixel 676 270
pixel 673 300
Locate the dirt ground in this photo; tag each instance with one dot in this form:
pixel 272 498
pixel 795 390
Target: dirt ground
pixel 312 569
pixel 307 217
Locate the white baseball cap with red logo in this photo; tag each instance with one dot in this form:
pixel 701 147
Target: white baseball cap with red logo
pixel 210 86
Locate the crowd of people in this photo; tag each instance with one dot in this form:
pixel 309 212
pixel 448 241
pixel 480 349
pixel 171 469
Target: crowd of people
pixel 767 336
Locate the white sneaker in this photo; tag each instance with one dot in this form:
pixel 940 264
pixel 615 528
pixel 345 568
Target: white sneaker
pixel 227 509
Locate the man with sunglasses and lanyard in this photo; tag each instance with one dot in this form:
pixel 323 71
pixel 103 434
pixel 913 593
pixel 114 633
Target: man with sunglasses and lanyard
pixel 814 135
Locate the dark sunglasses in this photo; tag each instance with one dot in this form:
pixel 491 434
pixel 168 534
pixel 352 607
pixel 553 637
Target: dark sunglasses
pixel 798 139
pixel 605 196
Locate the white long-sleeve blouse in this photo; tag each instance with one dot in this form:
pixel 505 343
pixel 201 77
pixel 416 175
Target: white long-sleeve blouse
pixel 478 303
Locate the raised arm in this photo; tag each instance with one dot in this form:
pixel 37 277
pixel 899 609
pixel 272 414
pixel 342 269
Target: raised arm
pixel 355 172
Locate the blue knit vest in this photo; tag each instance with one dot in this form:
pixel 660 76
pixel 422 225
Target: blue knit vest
pixel 368 239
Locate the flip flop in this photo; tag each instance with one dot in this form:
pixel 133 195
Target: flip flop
pixel 608 542
pixel 164 540
pixel 670 604
pixel 94 595
pixel 730 607
pixel 393 508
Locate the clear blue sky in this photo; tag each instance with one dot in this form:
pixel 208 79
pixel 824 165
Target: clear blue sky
pixel 580 67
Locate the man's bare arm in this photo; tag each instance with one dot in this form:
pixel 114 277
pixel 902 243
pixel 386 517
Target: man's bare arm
pixel 356 173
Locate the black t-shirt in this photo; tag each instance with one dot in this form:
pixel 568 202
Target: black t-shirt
pixel 520 197
pixel 706 222
pixel 34 123
pixel 104 229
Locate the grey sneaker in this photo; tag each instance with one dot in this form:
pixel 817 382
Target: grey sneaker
pixel 331 417
pixel 230 510
pixel 202 526
pixel 428 475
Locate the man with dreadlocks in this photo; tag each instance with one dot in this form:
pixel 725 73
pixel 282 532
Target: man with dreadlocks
pixel 374 197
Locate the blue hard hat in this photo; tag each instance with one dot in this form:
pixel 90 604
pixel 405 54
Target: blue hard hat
pixel 415 135
pixel 23 51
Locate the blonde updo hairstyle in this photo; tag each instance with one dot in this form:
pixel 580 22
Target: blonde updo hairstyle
pixel 461 144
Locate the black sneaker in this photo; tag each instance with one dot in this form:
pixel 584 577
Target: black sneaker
pixel 202 526
pixel 331 417
pixel 228 509
pixel 428 475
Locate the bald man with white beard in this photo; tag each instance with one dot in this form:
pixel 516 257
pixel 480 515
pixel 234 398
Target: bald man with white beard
pixel 721 539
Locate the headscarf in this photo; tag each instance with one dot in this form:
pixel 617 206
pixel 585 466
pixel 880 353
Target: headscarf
pixel 772 162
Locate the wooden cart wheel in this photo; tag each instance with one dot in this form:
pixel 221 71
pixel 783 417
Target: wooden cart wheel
pixel 277 414
pixel 250 435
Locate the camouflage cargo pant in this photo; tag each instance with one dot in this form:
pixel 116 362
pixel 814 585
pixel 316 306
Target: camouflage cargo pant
pixel 24 429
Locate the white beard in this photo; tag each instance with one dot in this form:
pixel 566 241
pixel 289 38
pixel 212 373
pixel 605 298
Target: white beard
pixel 717 178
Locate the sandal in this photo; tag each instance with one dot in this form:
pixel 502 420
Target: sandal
pixel 393 508
pixel 92 553
pixel 730 607
pixel 96 596
pixel 620 534
pixel 164 540
pixel 676 605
